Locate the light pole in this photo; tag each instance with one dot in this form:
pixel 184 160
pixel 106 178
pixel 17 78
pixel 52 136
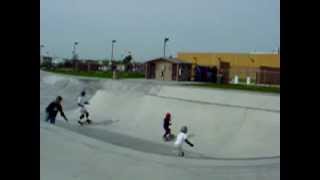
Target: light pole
pixel 164 46
pixel 74 54
pixel 41 58
pixel 113 68
pixel 112 44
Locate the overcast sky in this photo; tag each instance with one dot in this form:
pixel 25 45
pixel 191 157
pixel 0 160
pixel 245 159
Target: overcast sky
pixel 140 26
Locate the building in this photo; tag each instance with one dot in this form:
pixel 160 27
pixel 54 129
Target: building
pixel 120 67
pixel 168 69
pixel 259 67
pixel 138 67
pixel 92 65
pixel 47 61
pixel 85 65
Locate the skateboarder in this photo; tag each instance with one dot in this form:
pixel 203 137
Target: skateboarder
pixel 166 124
pixel 53 109
pixel 82 102
pixel 181 138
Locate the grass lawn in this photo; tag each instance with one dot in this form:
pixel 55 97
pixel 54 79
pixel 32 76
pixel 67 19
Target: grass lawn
pixel 265 89
pixel 98 74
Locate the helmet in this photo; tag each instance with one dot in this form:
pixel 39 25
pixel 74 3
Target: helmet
pixel 168 115
pixel 83 93
pixel 184 129
pixel 59 98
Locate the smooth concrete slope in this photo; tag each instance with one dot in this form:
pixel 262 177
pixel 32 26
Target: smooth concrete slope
pixel 218 131
pixel 228 128
pixel 227 98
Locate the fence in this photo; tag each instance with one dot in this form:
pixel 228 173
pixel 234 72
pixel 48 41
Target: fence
pixel 258 76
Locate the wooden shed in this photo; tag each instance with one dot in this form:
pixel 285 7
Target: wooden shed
pixel 168 69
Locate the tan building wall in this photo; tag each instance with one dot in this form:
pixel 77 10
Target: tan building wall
pixel 241 64
pixel 167 66
pixel 235 59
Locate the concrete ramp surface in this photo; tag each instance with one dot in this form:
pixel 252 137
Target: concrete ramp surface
pixel 237 130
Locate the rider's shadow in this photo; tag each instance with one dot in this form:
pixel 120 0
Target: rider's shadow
pixel 191 135
pixel 106 122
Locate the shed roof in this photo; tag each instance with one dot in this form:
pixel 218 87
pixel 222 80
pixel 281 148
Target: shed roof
pixel 172 60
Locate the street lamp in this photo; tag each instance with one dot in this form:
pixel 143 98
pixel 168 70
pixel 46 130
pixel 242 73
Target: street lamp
pixel 41 58
pixel 112 44
pixel 164 46
pixel 74 50
pixel 113 68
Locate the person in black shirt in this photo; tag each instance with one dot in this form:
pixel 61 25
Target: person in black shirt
pixel 53 109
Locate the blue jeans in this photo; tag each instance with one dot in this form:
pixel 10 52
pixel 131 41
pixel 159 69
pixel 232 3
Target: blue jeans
pixel 51 119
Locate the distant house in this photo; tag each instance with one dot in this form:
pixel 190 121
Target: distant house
pixel 92 65
pixel 120 67
pixel 68 63
pixel 47 61
pixel 168 69
pixel 138 67
pixel 85 65
pixel 104 68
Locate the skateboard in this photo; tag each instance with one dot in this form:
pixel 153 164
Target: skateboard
pixel 86 122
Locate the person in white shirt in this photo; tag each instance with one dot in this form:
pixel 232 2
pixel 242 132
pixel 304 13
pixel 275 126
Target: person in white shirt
pixel 82 102
pixel 181 138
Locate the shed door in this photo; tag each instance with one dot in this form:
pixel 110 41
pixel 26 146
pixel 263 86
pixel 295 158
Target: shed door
pixel 152 71
pixel 225 66
pixel 174 71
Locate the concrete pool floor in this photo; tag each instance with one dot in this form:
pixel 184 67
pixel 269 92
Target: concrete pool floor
pixel 236 134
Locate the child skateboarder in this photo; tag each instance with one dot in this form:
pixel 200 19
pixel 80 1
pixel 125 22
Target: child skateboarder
pixel 181 138
pixel 52 110
pixel 82 102
pixel 166 123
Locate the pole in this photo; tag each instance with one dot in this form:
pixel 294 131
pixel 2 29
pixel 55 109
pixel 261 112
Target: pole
pixel 112 43
pixel 74 55
pixel 112 52
pixel 41 56
pixel 41 59
pixel 73 52
pixel 164 49
pixel 164 46
pixel 114 70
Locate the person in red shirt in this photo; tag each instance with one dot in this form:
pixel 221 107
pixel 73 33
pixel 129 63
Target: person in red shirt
pixel 166 124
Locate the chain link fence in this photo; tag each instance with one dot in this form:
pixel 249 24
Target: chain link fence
pixel 255 76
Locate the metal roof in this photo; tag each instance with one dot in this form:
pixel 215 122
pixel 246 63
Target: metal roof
pixel 173 60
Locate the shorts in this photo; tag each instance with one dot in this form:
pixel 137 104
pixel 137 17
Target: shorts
pixel 51 119
pixel 83 110
pixel 179 148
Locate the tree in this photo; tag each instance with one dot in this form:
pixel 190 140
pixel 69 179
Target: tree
pixel 127 62
pixel 127 59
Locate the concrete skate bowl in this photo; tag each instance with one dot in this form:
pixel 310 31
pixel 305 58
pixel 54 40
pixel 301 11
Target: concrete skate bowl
pixel 223 125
